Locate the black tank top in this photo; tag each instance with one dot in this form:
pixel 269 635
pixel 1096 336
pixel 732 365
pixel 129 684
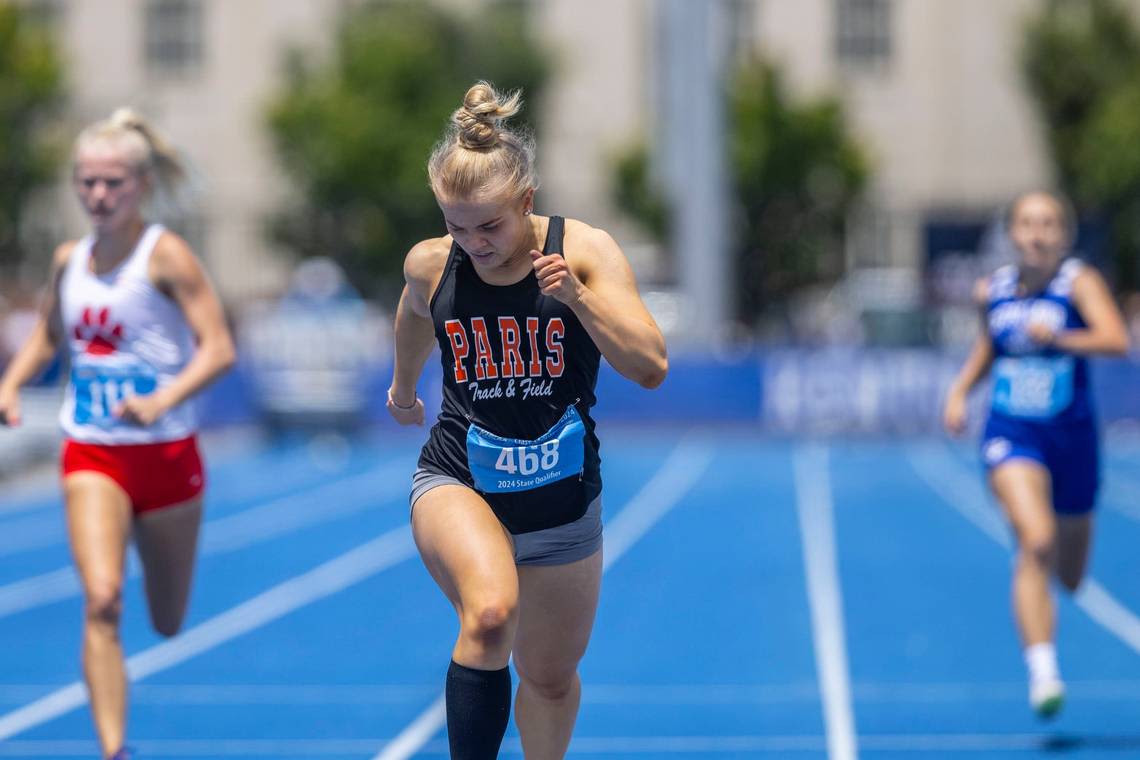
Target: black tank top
pixel 513 361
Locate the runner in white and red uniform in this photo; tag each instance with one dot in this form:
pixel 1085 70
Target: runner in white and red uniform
pixel 126 338
pixel 144 332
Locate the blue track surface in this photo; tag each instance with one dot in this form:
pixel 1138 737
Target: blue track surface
pixel 710 640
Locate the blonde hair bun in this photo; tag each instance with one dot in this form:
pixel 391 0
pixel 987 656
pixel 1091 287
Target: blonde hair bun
pixel 480 157
pixel 480 118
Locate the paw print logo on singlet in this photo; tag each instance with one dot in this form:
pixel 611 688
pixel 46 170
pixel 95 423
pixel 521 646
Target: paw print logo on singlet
pixel 101 334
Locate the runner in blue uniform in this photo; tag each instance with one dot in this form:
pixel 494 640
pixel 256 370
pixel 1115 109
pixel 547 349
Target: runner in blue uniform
pixel 506 501
pixel 1042 317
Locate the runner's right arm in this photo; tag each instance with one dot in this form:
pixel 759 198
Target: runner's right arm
pixel 40 347
pixel 414 332
pixel 976 368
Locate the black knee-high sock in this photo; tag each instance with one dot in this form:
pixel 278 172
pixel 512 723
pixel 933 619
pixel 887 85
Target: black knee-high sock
pixel 478 707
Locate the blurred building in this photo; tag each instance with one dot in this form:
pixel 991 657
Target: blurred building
pixel 204 70
pixel 934 91
pixel 932 88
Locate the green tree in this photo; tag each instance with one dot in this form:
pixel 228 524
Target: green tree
pixel 636 193
pixel 1080 59
pixel 355 131
pixel 794 172
pixel 31 92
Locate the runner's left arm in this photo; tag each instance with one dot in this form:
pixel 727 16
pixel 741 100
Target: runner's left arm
pixel 1105 334
pixel 603 295
pixel 176 272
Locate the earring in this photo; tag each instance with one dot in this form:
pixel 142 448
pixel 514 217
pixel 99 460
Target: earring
pixel 527 212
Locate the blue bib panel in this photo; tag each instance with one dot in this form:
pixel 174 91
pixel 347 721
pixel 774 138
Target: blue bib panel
pixel 1033 387
pixel 100 388
pixel 502 465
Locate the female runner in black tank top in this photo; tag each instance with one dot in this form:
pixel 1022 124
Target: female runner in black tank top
pixel 513 455
pixel 514 360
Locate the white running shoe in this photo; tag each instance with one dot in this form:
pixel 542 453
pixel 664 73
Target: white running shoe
pixel 1046 697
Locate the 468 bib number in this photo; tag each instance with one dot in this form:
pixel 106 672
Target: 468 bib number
pixel 509 464
pixel 525 460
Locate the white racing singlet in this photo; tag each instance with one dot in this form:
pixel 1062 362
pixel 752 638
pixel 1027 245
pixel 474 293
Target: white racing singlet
pixel 125 337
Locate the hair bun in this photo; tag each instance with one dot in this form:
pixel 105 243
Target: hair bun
pixel 128 118
pixel 479 156
pixel 482 112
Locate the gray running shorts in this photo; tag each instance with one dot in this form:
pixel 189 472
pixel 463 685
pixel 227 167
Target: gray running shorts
pixel 560 545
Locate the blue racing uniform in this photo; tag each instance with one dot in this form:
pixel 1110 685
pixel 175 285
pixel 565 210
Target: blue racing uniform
pixel 1042 407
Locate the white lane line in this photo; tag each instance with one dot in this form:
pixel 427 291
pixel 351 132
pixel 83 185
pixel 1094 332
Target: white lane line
pixel 817 528
pixel 963 491
pixel 38 590
pixel 961 488
pixel 418 733
pixel 672 481
pixel 1104 608
pixel 807 692
pixel 700 746
pixel 288 514
pixel 38 531
pixel 37 488
pixel 327 579
pixel 669 485
pixel 260 523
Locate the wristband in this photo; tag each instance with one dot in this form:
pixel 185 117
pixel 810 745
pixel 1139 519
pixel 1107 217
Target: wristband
pixel 415 398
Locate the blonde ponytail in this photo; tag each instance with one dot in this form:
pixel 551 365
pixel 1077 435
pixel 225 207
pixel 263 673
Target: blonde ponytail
pixel 164 159
pixel 149 153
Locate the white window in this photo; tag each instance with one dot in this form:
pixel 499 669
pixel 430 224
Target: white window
pixel 863 33
pixel 173 36
pixel 868 238
pixel 46 14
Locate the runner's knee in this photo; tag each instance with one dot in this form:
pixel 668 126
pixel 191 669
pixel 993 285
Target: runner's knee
pixel 489 623
pixel 1038 547
pixel 104 604
pixel 549 681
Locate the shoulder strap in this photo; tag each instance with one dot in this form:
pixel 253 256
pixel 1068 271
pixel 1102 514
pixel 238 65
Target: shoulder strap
pixel 555 231
pixel 1062 282
pixel 80 255
pixel 454 261
pixel 140 256
pixel 1003 283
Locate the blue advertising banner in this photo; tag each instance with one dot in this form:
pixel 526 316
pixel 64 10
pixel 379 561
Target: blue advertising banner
pixel 877 392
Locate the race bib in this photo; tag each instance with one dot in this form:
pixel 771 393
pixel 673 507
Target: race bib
pixel 1033 386
pixel 99 389
pixel 500 465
